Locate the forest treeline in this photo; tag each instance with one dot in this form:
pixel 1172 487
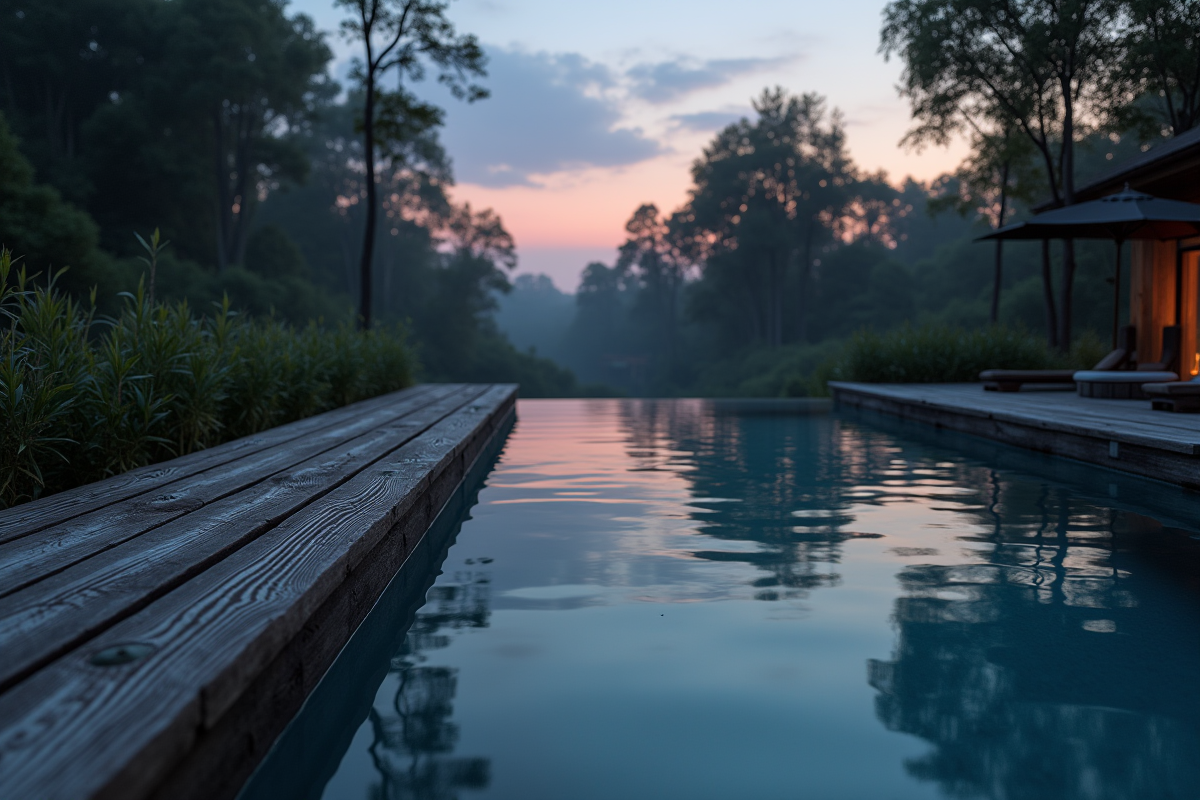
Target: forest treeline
pixel 785 250
pixel 217 123
pixel 784 247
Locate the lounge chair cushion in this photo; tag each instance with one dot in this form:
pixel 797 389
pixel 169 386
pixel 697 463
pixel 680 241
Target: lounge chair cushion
pixel 1124 376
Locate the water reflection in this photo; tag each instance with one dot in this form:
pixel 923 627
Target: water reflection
pixel 681 603
pixel 1061 663
pixel 414 737
pixel 1058 657
pixel 759 482
pixel 1054 651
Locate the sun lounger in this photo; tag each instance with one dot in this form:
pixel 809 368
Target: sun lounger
pixel 1011 380
pixel 1172 334
pixel 1131 384
pixel 1180 396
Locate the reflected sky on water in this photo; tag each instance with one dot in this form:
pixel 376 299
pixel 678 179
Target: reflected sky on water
pixel 655 600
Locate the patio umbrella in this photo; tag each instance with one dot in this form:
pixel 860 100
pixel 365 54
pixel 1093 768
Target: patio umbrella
pixel 1122 216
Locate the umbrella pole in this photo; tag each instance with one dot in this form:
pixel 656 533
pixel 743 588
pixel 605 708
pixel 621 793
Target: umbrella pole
pixel 1117 297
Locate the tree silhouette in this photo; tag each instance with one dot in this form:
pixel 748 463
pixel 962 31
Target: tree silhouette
pixel 1037 66
pixel 765 194
pixel 402 38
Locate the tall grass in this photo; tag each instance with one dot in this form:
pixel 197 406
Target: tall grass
pixel 83 397
pixel 945 354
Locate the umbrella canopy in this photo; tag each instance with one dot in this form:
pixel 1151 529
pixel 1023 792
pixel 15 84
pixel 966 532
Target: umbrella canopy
pixel 1122 216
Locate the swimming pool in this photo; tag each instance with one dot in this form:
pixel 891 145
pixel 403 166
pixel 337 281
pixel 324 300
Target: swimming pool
pixel 658 599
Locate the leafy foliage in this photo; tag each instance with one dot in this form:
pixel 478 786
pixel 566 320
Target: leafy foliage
pixel 940 354
pixel 35 219
pixel 1161 60
pixel 83 396
pixel 768 193
pixel 148 113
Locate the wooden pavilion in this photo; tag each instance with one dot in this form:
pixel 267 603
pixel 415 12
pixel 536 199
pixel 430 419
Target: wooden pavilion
pixel 1172 171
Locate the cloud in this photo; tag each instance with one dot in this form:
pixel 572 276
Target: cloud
pixel 670 80
pixel 546 113
pixel 705 121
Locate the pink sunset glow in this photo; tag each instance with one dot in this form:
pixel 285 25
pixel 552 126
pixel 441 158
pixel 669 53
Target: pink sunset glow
pixel 589 117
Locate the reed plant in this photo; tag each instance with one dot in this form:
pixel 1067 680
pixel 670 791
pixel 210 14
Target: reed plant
pixel 85 396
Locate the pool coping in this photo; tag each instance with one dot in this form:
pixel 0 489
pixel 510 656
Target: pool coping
pixel 235 649
pixel 1117 434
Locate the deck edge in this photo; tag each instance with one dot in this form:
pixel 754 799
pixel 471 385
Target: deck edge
pixel 225 756
pixel 1133 454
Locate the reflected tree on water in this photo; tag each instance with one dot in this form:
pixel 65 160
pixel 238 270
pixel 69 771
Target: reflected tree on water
pixel 797 522
pixel 1047 653
pixel 414 737
pixel 1056 664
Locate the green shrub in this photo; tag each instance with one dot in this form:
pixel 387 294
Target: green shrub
pixel 939 354
pixel 83 397
pixel 763 371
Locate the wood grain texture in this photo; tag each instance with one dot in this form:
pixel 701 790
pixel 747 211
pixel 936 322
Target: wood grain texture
pixel 53 615
pixel 39 514
pixel 1149 443
pixel 40 555
pixel 76 730
pixel 245 733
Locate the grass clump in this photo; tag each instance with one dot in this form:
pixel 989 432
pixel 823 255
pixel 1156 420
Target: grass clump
pixel 943 354
pixel 83 397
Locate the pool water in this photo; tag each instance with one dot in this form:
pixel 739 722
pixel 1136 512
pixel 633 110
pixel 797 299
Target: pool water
pixel 656 599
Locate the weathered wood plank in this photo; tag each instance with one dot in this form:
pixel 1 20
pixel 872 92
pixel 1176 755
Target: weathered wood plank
pixel 78 730
pixel 244 734
pixel 35 557
pixel 57 508
pixel 54 615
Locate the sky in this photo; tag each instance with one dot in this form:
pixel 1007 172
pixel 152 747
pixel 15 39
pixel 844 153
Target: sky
pixel 598 107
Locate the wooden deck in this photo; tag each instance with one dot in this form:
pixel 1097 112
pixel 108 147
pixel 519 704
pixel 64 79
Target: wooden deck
pixel 1121 434
pixel 160 628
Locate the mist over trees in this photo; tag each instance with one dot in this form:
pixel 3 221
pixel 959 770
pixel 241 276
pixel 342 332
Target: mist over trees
pixel 786 247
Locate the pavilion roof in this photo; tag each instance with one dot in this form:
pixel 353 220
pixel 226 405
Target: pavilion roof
pixel 1170 170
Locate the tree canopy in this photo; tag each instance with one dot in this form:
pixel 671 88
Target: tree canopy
pixel 402 39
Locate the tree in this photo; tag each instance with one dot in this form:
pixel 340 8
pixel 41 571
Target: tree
pixel 451 315
pixel 655 254
pixel 61 61
pixel 996 175
pixel 1161 58
pixel 47 233
pixel 260 74
pixel 402 38
pixel 766 193
pixel 183 113
pixel 1038 66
